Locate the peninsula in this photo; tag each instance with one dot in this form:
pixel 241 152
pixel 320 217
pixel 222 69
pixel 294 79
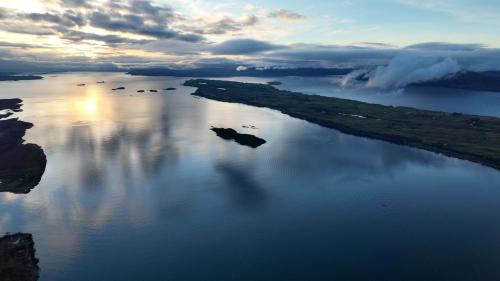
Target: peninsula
pixel 470 137
pixel 21 165
pixel 11 77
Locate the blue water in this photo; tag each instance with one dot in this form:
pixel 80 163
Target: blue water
pixel 138 188
pixel 439 99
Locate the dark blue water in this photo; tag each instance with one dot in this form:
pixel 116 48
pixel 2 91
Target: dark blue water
pixel 138 188
pixel 439 99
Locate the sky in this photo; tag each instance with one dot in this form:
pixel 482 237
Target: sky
pixel 104 34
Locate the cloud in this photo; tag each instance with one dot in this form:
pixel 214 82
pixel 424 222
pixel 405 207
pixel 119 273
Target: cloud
pixel 133 23
pixel 3 13
pixel 286 15
pixel 334 55
pixel 406 69
pixel 76 3
pixel 225 25
pixel 138 26
pixel 216 63
pixel 244 47
pixel 175 47
pixel 16 45
pixel 438 46
pixel 429 62
pixel 78 36
pixel 139 32
pixel 68 18
pixel 134 17
pixel 24 29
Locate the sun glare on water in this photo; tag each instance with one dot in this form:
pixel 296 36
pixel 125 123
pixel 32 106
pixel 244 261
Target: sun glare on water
pixel 88 107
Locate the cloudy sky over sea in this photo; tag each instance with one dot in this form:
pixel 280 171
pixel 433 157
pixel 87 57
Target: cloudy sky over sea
pixel 187 33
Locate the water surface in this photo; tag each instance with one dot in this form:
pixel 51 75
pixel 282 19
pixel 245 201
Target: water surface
pixel 431 98
pixel 138 188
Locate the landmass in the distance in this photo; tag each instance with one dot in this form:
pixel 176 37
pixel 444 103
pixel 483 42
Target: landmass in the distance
pixel 476 138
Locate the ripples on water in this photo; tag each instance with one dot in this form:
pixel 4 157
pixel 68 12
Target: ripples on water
pixel 138 188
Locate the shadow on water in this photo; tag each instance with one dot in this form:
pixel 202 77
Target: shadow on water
pixel 244 190
pixel 17 258
pixel 21 165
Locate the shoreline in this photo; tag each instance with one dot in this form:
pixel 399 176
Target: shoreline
pixel 467 137
pixel 22 165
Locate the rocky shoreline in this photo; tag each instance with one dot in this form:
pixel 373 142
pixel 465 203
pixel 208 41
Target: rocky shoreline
pixel 17 258
pixel 21 165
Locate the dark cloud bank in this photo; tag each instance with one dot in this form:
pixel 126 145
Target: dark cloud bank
pixel 382 66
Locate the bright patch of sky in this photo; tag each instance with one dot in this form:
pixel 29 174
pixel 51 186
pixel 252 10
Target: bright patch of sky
pixel 398 22
pixel 260 32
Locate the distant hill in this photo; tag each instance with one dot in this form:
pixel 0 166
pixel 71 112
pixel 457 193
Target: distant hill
pixel 478 81
pixel 232 72
pixel 12 77
pixel 16 66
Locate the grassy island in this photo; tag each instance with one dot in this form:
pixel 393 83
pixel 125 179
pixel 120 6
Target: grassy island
pixel 471 137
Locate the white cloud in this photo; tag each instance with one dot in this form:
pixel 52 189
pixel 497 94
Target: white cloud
pixel 409 68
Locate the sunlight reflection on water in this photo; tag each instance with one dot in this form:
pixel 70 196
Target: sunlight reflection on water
pixel 137 187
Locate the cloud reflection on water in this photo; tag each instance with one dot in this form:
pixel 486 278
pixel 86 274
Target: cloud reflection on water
pixel 123 162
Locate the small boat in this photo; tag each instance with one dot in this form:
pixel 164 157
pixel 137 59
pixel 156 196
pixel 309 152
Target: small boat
pixel 119 88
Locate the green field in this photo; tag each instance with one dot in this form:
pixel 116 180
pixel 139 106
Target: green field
pixel 471 137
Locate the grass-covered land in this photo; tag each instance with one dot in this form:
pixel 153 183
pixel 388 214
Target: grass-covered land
pixel 476 138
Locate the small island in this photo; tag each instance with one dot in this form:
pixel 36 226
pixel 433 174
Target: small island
pixel 19 263
pixel 119 88
pixel 153 91
pixel 140 91
pixel 243 139
pixel 170 89
pixel 470 137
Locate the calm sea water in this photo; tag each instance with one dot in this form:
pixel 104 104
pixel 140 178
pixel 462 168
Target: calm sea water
pixel 138 188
